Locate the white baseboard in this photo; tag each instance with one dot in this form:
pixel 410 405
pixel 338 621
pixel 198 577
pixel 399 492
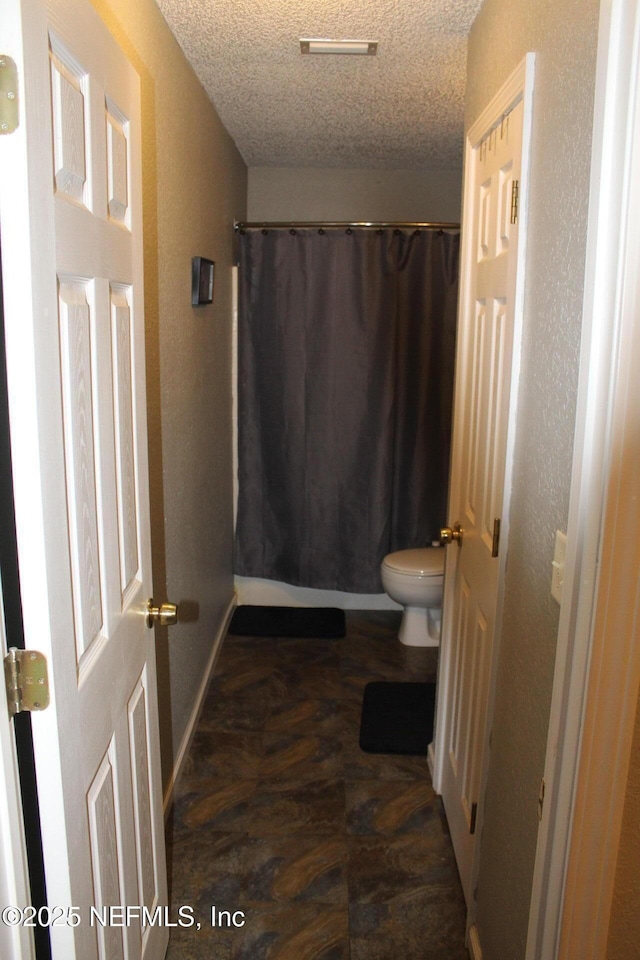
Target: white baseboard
pixel 431 759
pixel 475 951
pixel 272 593
pixel 197 707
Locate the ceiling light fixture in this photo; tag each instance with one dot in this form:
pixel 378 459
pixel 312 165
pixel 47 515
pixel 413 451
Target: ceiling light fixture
pixel 357 47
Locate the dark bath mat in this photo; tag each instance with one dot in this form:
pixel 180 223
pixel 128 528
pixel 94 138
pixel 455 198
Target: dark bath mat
pixel 397 718
pixel 322 622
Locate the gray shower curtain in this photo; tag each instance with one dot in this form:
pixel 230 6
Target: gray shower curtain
pixel 345 378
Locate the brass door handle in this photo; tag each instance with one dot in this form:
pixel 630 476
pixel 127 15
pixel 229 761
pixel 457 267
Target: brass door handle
pixel 449 535
pixel 166 614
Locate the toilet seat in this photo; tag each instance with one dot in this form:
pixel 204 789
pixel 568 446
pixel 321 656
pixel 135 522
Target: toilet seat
pixel 420 562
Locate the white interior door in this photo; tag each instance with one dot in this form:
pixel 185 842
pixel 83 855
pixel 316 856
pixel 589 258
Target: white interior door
pixel 484 399
pixel 71 212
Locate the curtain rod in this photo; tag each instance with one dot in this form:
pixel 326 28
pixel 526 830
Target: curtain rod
pixel 346 224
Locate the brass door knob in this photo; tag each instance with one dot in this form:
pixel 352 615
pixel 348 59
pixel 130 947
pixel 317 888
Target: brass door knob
pixel 166 614
pixel 449 535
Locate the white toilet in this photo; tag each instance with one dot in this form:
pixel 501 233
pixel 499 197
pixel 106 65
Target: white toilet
pixel 414 578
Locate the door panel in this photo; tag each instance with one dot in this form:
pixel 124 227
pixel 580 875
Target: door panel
pixel 484 395
pixel 121 330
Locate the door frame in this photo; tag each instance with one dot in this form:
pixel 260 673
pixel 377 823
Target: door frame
pixel 17 253
pixel 16 943
pixel 595 689
pixel 519 86
pixel 20 837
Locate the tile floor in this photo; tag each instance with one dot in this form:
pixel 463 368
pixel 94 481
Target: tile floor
pixel 328 853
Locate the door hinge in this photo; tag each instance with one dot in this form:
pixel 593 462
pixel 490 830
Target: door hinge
pixel 515 196
pixel 541 799
pixel 495 545
pixel 26 680
pixel 9 112
pixel 474 815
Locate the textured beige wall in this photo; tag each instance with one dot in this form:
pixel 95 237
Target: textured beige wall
pixel 194 188
pixel 290 193
pixel 624 925
pixel 563 34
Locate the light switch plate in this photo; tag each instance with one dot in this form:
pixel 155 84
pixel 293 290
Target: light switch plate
pixel 559 556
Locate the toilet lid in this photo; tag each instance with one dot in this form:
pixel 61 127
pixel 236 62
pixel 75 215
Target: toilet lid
pixel 425 561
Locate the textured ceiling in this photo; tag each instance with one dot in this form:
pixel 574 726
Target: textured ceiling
pixel 400 109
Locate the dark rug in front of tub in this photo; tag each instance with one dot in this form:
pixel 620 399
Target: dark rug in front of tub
pixel 397 718
pixel 321 622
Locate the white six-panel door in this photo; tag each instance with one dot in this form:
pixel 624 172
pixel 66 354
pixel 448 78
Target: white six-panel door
pixel 483 406
pixel 75 355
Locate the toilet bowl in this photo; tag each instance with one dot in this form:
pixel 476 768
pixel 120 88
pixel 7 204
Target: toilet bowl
pixel 414 579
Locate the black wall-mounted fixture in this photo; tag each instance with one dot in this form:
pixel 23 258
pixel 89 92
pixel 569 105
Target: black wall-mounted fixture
pixel 201 281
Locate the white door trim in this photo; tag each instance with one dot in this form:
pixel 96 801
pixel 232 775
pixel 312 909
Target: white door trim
pixel 21 251
pixel 599 764
pixel 16 942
